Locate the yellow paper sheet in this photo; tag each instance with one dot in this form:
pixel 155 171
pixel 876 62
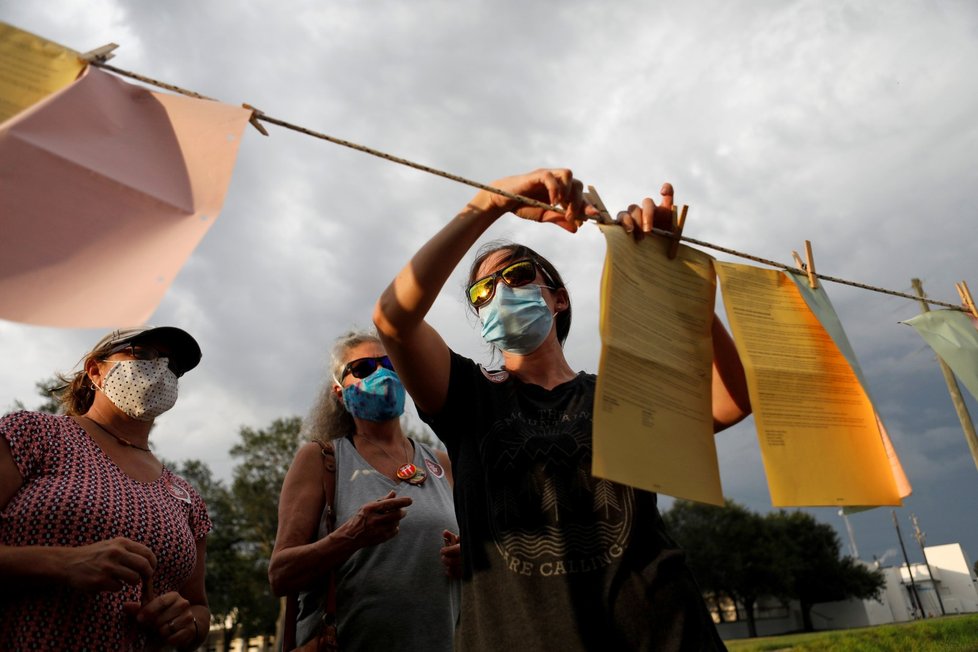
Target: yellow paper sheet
pixel 818 432
pixel 653 418
pixel 31 68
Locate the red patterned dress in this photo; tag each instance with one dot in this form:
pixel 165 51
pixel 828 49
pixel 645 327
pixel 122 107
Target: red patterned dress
pixel 74 495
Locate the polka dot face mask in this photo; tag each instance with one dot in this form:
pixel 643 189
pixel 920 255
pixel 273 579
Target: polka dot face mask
pixel 143 389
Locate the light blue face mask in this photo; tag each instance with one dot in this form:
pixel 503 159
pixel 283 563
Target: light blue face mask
pixel 517 320
pixel 378 397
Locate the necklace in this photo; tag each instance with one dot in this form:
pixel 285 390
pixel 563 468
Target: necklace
pixel 407 472
pixel 121 440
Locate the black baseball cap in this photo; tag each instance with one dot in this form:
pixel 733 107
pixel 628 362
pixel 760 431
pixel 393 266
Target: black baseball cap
pixel 183 347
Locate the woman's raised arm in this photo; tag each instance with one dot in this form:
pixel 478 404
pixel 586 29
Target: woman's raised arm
pixel 420 355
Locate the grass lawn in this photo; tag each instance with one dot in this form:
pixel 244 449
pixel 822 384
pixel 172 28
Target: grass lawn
pixel 947 634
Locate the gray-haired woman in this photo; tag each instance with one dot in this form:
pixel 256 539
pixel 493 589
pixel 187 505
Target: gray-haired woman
pixel 395 551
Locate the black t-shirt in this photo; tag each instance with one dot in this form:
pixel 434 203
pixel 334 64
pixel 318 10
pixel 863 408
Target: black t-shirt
pixel 554 558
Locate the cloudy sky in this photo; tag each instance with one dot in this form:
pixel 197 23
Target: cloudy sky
pixel 848 124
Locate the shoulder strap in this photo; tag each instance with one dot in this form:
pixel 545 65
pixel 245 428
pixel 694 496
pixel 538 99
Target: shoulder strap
pixel 329 482
pixel 329 492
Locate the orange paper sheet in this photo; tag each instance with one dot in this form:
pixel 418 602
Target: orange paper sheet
pixel 820 305
pixel 818 431
pixel 105 190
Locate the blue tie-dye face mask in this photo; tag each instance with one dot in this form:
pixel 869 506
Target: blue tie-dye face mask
pixel 517 320
pixel 378 397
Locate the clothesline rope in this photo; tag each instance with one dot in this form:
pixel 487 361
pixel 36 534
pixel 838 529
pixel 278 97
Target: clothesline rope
pixel 259 115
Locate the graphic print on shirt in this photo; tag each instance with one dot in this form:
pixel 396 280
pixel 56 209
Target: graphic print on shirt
pixel 549 515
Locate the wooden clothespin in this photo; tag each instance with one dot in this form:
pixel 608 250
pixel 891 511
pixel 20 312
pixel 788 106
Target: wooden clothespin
pixel 678 222
pixel 99 55
pixel 799 263
pixel 809 267
pixel 254 119
pixel 592 196
pixel 966 299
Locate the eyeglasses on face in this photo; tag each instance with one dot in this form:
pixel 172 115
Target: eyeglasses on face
pixel 143 352
pixel 363 367
pixel 522 272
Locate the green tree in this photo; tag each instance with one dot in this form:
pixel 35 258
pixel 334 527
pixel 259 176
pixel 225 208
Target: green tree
pixel 227 568
pixel 741 555
pixel 730 552
pixel 45 389
pixel 245 517
pixel 264 457
pixel 815 571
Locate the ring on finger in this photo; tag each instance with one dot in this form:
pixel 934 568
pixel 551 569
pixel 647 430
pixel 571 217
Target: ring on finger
pixel 171 626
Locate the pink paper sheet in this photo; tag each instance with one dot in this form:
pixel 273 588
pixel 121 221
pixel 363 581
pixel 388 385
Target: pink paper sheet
pixel 105 190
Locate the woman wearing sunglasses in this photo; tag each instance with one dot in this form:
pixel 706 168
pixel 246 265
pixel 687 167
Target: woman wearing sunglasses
pixel 394 554
pixel 552 557
pixel 101 546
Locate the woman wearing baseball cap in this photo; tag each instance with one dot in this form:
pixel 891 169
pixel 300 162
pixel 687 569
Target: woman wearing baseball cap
pixel 101 546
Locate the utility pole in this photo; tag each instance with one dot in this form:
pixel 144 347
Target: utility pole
pixel 913 586
pixel 852 538
pixel 952 386
pixel 921 540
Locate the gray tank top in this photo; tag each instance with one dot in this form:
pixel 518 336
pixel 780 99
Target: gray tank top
pixel 395 594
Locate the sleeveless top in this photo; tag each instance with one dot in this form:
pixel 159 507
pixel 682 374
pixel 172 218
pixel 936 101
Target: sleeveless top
pixel 395 594
pixel 74 495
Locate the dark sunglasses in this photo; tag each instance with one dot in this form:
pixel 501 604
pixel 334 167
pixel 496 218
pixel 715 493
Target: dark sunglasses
pixel 363 367
pixel 142 352
pixel 518 274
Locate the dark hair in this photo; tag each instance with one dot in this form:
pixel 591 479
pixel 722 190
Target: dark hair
pixel 519 252
pixel 77 392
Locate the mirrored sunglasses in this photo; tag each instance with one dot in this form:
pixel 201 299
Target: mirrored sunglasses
pixel 363 367
pixel 520 273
